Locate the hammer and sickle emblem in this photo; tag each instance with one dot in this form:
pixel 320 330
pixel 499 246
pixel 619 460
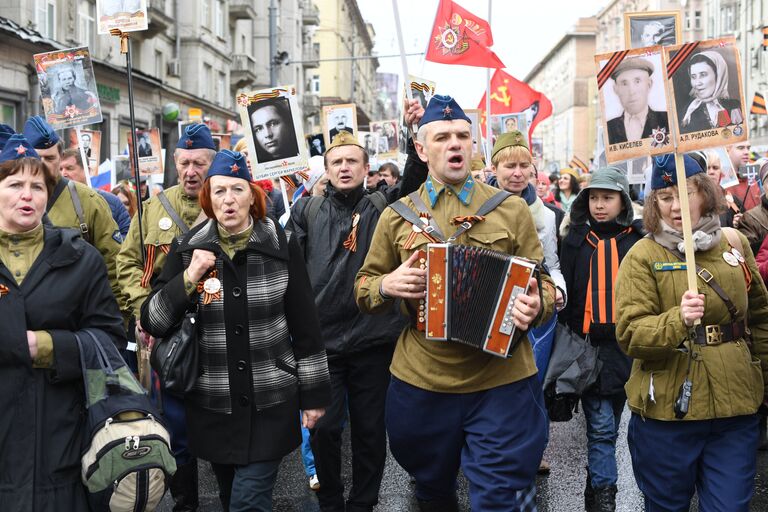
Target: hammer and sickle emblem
pixel 502 97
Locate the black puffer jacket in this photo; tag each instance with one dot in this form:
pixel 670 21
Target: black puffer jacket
pixel 575 262
pixel 332 268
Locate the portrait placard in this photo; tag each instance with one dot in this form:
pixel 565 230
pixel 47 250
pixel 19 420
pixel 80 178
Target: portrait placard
pixel 474 116
pixel 386 133
pixel 316 144
pixel 537 149
pixel 718 159
pixel 422 89
pixel 274 132
pixel 90 141
pixel 126 15
pixel 337 118
pixel 68 88
pixel 633 100
pixel 370 142
pixel 706 93
pixel 652 28
pixel 149 150
pixel 222 141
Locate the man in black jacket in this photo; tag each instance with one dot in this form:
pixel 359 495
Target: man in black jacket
pixel 335 232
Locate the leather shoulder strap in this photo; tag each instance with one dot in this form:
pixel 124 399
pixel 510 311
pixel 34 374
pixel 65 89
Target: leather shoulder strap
pixel 56 192
pixel 172 213
pixel 79 211
pixel 733 239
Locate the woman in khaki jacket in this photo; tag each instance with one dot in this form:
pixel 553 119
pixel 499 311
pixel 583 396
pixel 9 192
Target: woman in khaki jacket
pixel 693 396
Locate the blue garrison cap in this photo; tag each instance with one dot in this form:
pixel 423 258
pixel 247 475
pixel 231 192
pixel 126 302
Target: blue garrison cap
pixel 442 108
pixel 196 136
pixel 39 133
pixel 5 134
pixel 664 175
pixel 229 163
pixel 17 147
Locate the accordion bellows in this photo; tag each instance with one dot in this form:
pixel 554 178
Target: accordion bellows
pixel 470 295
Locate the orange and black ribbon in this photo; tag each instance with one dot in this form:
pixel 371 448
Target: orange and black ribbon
pixel 472 219
pixel 408 244
pixel 149 262
pixel 350 243
pixel 603 269
pixel 208 297
pixel 604 74
pixel 682 54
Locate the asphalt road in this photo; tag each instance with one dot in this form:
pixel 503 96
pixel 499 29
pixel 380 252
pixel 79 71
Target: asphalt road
pixel 560 491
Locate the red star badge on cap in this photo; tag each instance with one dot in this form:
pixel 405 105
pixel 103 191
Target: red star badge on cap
pixel 234 168
pixel 21 150
pixel 447 111
pixel 667 177
pixel 189 143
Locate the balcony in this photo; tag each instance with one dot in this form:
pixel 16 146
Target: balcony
pixel 159 21
pixel 310 104
pixel 310 57
pixel 243 70
pixel 242 10
pixel 310 14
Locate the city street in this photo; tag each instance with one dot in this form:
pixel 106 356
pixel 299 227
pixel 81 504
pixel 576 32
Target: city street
pixel 561 491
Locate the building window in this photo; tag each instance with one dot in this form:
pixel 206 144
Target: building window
pixel 8 114
pixel 314 86
pixel 45 18
pixel 697 20
pixel 159 71
pixel 207 84
pixel 221 89
pixel 218 18
pixel 87 23
pixel 205 15
pixel 729 18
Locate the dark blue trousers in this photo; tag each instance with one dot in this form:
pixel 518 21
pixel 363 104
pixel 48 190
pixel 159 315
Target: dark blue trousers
pixel 497 436
pixel 715 458
pixel 176 417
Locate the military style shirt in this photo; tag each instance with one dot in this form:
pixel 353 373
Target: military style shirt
pixel 445 366
pixel 159 230
pixel 103 231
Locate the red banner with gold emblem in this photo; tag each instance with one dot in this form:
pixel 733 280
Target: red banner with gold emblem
pixel 510 95
pixel 460 37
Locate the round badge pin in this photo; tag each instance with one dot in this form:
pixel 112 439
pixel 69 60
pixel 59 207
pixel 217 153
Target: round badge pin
pixel 165 223
pixel 726 133
pixel 416 228
pixel 738 131
pixel 738 255
pixel 212 285
pixel 730 259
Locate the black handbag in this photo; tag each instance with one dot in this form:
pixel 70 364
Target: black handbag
pixel 174 357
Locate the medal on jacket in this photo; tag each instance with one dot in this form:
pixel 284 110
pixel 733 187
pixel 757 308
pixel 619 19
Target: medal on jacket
pixel 730 259
pixel 738 255
pixel 3 291
pixel 165 223
pixel 210 288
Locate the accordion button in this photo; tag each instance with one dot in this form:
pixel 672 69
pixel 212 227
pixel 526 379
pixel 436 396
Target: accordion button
pixel 241 365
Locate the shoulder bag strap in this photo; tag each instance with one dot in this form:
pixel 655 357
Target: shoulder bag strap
pixel 172 213
pixel 433 228
pixel 56 192
pixel 79 211
pixel 379 200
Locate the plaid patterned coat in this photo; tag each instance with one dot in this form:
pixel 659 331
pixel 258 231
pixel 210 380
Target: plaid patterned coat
pixel 259 344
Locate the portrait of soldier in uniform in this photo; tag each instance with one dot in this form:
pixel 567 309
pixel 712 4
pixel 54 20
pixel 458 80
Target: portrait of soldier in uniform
pixel 273 130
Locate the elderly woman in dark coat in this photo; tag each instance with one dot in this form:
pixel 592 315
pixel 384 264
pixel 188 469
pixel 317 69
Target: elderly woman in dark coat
pixel 52 285
pixel 261 356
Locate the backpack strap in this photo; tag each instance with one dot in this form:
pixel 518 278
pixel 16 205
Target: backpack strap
pixel 56 192
pixel 312 209
pixel 379 200
pixel 79 211
pixel 172 213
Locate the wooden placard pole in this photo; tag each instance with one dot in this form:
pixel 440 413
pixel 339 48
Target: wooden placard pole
pixel 690 259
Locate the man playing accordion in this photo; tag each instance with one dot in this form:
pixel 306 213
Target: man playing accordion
pixel 450 404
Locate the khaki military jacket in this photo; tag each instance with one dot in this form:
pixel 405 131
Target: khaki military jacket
pixel 728 379
pixel 159 231
pixel 445 366
pixel 103 231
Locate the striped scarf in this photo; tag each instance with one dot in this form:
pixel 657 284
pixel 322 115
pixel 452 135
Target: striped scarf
pixel 603 269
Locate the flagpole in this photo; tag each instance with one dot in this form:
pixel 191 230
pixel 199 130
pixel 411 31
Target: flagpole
pixel 403 60
pixel 488 139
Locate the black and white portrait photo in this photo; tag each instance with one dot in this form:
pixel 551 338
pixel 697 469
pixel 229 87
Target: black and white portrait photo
pixel 273 131
pixel 316 144
pixel 644 29
pixel 68 88
pixel 634 103
pixel 387 134
pixel 338 118
pixel 85 143
pixel 145 145
pixel 705 95
pixel 369 141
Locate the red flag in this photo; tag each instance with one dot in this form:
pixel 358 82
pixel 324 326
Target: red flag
pixel 509 95
pixel 460 37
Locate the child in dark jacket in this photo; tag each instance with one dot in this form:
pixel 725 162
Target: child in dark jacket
pixel 600 233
